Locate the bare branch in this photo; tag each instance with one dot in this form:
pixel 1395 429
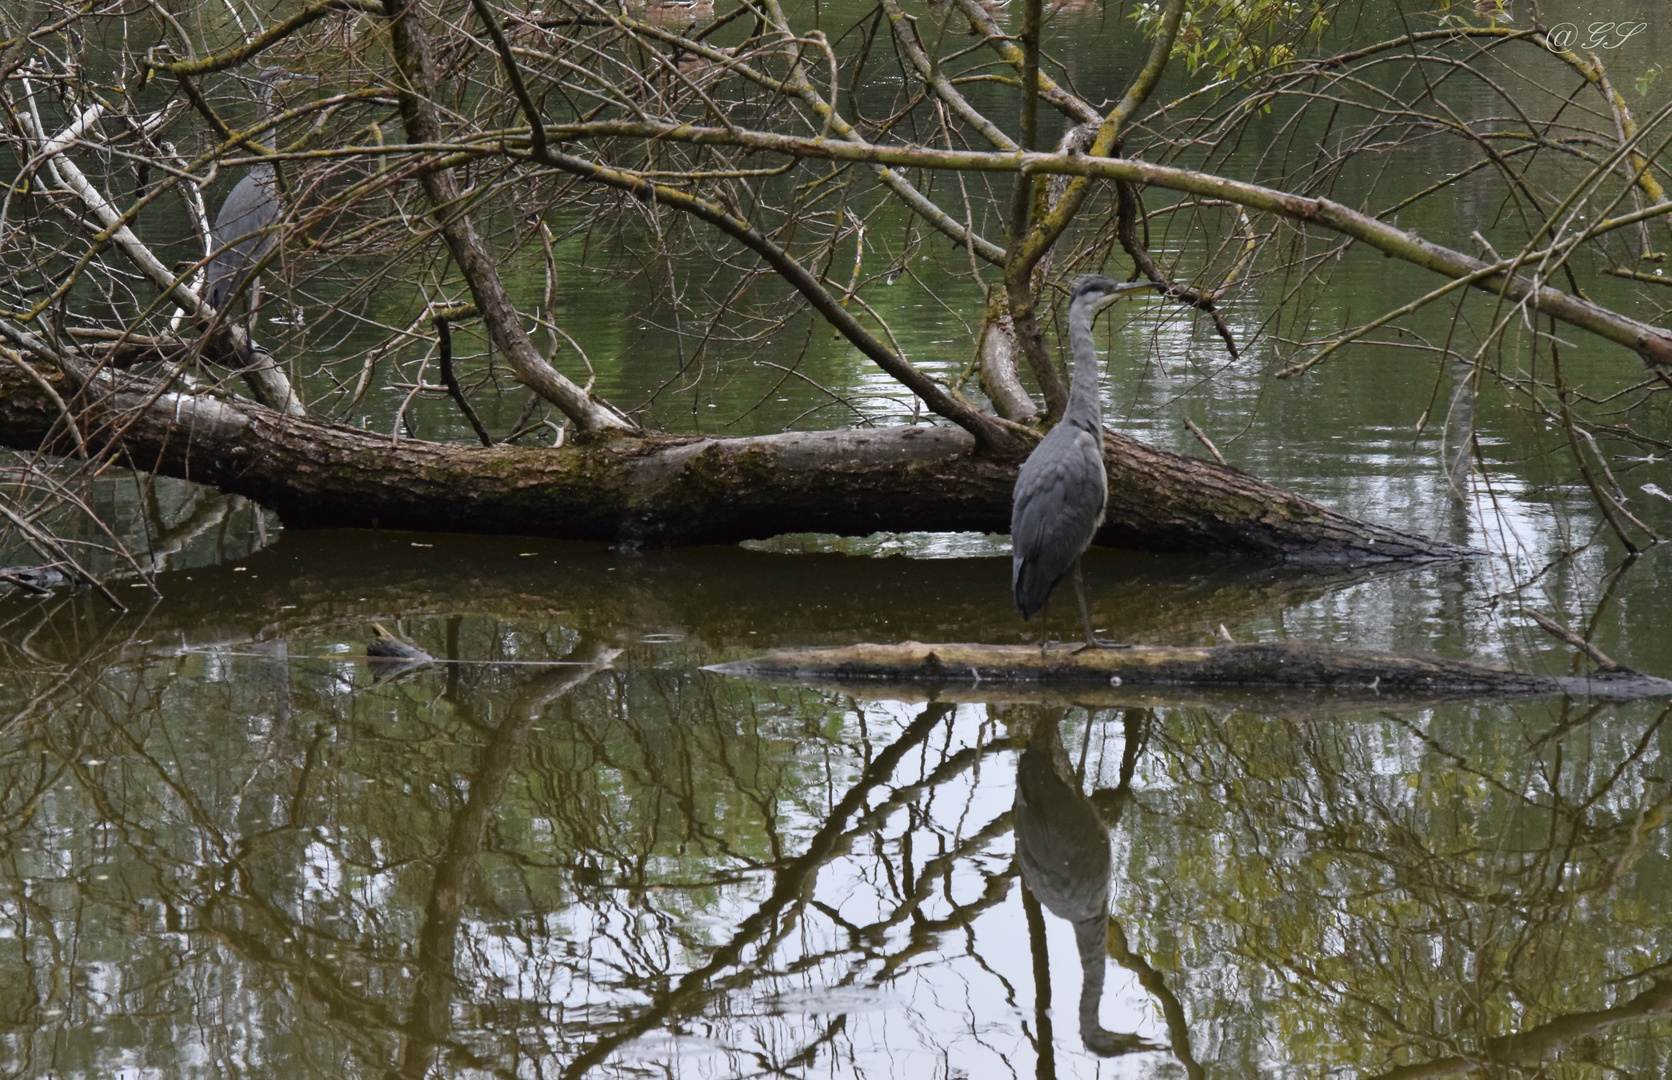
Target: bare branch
pixel 412 54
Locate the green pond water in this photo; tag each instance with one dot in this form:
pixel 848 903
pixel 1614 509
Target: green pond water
pixel 232 846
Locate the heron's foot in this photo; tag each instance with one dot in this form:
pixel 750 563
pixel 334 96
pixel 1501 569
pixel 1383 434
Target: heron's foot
pixel 1106 1043
pixel 1099 643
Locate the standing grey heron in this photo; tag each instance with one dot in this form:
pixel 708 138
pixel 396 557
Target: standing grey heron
pixel 1062 489
pixel 243 234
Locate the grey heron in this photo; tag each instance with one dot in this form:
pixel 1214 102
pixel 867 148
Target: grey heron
pixel 1062 488
pixel 243 234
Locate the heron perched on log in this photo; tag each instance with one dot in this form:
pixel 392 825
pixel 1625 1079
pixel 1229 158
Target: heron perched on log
pixel 243 234
pixel 1062 489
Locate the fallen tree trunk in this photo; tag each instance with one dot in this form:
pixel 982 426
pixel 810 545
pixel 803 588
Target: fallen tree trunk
pixel 1263 665
pixel 670 490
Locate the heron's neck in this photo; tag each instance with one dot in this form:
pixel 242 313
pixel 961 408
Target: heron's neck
pixel 263 113
pixel 1085 401
pixel 1091 936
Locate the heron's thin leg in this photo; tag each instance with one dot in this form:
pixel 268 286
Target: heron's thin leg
pixel 1085 612
pixel 1085 615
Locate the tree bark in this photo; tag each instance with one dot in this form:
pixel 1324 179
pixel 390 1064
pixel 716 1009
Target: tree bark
pixel 665 490
pixel 998 369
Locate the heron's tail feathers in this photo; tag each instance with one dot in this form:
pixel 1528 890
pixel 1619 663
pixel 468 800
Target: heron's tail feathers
pixel 1031 587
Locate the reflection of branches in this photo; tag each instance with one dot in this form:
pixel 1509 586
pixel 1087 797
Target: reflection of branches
pixel 925 933
pixel 1387 877
pixel 788 885
pixel 1530 1047
pixel 434 990
pixel 299 857
pixel 1394 871
pixel 48 682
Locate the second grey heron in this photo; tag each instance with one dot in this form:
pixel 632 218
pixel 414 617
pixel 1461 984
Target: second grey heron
pixel 243 235
pixel 1062 488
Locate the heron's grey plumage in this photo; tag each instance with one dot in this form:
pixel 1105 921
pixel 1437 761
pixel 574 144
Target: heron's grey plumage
pixel 1062 489
pixel 243 234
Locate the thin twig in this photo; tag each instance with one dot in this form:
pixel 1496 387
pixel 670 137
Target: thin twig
pixel 444 341
pixel 1637 275
pixel 1201 437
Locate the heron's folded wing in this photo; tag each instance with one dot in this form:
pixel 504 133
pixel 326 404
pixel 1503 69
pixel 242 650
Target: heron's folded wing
pixel 1060 496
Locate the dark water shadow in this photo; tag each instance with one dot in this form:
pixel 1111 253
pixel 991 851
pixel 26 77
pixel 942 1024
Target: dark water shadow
pixel 326 585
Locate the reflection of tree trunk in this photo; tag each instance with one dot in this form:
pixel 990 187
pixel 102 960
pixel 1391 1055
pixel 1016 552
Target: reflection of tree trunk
pixel 681 490
pixel 1162 600
pixel 1045 1046
pixel 432 998
pixel 278 671
pixel 1172 1010
pixel 1457 446
pixel 1457 430
pixel 1534 1045
pixel 208 511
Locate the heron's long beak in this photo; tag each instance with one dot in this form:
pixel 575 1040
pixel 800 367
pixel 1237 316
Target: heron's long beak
pixel 1124 289
pixel 286 79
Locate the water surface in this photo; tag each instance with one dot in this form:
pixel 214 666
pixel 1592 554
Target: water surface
pixel 232 846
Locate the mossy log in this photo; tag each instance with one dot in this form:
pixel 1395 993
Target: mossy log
pixel 663 490
pixel 982 670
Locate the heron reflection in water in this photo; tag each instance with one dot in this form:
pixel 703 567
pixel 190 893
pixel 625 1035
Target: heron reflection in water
pixel 1062 849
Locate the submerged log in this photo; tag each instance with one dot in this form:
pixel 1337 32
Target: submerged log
pixel 661 490
pixel 973 668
